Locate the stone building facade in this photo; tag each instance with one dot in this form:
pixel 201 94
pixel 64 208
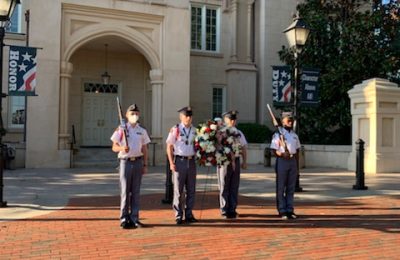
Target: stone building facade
pixel 161 54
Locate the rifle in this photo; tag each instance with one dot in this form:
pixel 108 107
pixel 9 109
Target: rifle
pixel 122 122
pixel 280 131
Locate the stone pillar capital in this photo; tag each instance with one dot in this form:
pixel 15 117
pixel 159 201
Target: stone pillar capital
pixel 66 69
pixel 156 76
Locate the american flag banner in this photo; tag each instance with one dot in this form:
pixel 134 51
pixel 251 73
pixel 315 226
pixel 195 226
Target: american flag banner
pixel 22 71
pixel 281 84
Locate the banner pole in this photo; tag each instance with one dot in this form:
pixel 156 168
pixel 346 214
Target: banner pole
pixel 27 20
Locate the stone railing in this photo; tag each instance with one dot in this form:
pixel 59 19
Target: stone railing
pixel 331 156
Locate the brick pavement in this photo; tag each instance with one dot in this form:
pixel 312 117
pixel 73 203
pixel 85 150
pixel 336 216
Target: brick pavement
pixel 362 228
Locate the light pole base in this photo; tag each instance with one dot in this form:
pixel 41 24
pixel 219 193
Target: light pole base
pixel 359 187
pixel 3 204
pixel 165 201
pixel 298 189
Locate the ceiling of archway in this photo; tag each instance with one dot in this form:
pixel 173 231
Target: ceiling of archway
pixel 115 44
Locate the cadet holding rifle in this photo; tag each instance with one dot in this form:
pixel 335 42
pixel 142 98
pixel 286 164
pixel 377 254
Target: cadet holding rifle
pixel 130 142
pixel 286 145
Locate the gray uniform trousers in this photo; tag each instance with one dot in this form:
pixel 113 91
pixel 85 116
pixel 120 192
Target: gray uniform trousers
pixel 184 177
pixel 130 178
pixel 286 174
pixel 228 181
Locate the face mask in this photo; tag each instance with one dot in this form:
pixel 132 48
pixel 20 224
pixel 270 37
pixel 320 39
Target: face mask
pixel 133 119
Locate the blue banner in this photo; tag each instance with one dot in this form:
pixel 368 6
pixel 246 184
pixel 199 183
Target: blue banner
pixel 22 71
pixel 281 85
pixel 310 87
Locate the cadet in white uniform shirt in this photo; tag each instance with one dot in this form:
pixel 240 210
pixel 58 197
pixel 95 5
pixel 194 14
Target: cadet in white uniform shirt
pixel 133 159
pixel 286 166
pixel 181 156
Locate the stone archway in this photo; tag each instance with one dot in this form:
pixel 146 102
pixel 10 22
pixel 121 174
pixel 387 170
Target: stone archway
pixel 82 24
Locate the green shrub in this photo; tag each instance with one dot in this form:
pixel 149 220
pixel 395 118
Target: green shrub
pixel 255 133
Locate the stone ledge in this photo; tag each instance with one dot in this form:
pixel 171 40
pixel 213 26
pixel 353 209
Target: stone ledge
pixel 207 54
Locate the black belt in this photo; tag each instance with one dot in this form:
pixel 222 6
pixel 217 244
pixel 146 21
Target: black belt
pixel 132 159
pixel 184 157
pixel 291 156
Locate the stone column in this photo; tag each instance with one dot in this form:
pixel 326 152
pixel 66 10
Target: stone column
pixel 63 134
pixel 375 110
pixel 156 113
pixel 249 29
pixel 234 17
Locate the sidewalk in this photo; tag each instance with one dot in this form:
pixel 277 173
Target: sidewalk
pixel 71 214
pixel 32 192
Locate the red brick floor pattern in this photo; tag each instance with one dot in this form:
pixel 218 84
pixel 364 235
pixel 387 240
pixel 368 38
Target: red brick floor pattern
pixel 88 228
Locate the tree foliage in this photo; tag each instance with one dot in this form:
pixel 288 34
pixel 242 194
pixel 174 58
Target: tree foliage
pixel 350 41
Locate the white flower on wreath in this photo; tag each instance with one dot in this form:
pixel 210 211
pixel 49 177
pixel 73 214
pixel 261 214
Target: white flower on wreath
pixel 236 149
pixel 210 148
pixel 227 150
pixel 213 127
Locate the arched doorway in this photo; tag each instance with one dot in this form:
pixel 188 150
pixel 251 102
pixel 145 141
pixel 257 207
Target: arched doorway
pixel 134 45
pixel 93 109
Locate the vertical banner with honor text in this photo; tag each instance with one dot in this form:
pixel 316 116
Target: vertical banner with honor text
pixel 22 71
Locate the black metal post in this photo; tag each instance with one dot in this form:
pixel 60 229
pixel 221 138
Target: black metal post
pixel 2 34
pixel 298 188
pixel 360 175
pixel 168 185
pixel 27 20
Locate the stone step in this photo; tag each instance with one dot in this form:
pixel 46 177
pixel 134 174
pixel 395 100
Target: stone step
pixel 94 157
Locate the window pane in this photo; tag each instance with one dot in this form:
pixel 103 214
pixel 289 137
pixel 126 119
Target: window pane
pixel 17 111
pixel 211 25
pixel 15 21
pixel 218 101
pixel 196 28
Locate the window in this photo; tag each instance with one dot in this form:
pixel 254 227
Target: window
pixel 100 88
pixel 205 28
pixel 17 112
pixel 218 101
pixel 15 21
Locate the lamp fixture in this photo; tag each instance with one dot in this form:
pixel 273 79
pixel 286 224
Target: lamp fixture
pixel 105 76
pixel 6 10
pixel 297 33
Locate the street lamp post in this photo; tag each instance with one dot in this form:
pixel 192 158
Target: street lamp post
pixel 6 10
pixel 297 34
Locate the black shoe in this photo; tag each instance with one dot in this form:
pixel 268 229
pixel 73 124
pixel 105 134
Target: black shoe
pixel 191 220
pixel 127 225
pixel 231 215
pixel 179 221
pixel 138 224
pixel 291 215
pixel 224 215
